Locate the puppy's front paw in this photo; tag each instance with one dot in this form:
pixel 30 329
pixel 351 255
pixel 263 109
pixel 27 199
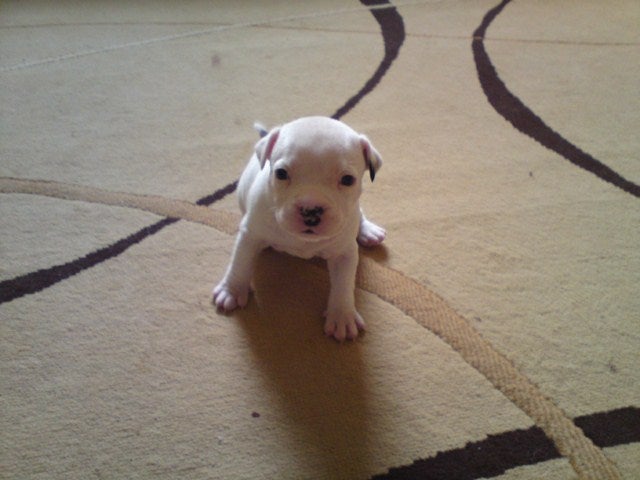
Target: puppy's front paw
pixel 343 325
pixel 227 297
pixel 370 234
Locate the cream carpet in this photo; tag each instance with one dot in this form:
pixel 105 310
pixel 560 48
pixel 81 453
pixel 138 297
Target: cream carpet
pixel 503 310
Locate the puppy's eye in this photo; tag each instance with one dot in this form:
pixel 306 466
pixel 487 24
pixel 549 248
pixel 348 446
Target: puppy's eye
pixel 348 180
pixel 281 174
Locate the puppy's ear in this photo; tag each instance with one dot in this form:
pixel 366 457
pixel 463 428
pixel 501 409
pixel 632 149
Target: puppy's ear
pixel 264 148
pixel 372 158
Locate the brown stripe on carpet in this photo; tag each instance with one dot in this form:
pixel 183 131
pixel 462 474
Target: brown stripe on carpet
pixel 393 35
pixel 498 453
pixel 432 312
pixel 526 121
pixel 39 280
pixel 409 296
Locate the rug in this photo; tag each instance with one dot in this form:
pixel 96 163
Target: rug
pixel 502 310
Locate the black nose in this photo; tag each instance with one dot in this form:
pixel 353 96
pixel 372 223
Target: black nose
pixel 311 212
pixel 312 221
pixel 311 216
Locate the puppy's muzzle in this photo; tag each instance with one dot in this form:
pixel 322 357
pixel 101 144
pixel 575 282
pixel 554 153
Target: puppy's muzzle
pixel 311 216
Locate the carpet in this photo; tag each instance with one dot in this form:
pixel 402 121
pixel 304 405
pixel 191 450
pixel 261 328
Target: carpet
pixel 502 310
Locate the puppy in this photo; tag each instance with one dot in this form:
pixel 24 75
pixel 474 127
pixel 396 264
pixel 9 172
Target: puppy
pixel 300 194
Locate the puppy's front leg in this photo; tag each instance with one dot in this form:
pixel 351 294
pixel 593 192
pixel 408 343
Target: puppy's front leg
pixel 342 319
pixel 233 290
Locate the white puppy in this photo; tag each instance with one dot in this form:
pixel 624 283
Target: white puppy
pixel 299 194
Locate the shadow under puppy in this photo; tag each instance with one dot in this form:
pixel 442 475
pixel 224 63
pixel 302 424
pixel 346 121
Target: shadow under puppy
pixel 300 194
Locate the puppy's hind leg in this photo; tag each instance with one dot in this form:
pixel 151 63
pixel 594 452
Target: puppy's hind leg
pixel 370 234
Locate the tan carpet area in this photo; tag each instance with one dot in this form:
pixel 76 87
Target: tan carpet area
pixel 502 310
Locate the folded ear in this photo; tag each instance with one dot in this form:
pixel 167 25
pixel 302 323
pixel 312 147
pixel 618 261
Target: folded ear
pixel 372 158
pixel 264 148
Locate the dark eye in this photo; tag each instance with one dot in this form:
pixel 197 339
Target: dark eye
pixel 281 174
pixel 348 180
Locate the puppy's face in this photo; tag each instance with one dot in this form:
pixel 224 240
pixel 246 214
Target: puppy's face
pixel 316 169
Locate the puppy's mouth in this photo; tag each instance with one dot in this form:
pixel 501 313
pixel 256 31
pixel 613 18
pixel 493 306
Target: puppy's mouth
pixel 312 235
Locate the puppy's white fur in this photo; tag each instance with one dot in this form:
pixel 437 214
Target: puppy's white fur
pixel 300 194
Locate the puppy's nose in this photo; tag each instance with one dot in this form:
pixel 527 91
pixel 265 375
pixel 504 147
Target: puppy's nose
pixel 311 216
pixel 311 212
pixel 312 221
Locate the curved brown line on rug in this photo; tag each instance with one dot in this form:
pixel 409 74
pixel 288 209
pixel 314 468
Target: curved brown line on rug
pixel 406 294
pixel 173 210
pixel 526 121
pixel 498 453
pixel 434 313
pixel 393 35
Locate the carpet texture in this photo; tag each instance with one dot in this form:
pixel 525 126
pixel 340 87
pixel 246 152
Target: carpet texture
pixel 502 310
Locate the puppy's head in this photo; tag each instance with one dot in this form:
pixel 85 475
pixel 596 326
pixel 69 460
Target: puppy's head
pixel 316 165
